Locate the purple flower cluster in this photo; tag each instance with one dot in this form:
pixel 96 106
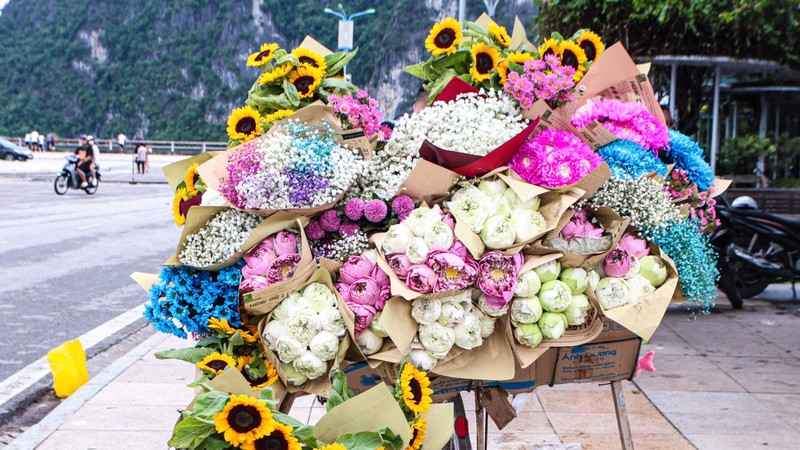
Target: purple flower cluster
pixel 362 112
pixel 376 211
pixel 541 79
pixel 626 120
pixel 242 165
pixel 554 158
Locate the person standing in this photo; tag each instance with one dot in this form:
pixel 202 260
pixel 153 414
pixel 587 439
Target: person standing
pixel 121 140
pixel 141 158
pixel 34 140
pixel 51 141
pixel 28 141
pixel 41 143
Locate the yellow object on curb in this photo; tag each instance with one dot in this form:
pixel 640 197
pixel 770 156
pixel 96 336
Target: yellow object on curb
pixel 68 364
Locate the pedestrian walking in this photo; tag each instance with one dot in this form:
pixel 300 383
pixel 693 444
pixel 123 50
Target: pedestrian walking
pixel 51 141
pixel 121 140
pixel 141 158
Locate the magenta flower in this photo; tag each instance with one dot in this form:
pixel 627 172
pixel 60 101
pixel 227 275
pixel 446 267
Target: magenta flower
pixel 452 271
pixel 314 231
pixel 449 220
pixel 344 290
pixel 617 263
pixel 626 120
pixel 497 274
pixel 349 229
pixel 633 246
pixel 459 248
pixel 402 205
pixel 330 221
pixel 554 158
pixel 285 242
pixel 375 210
pixel 421 278
pixel 253 283
pixel 367 291
pixel 354 209
pixel 282 268
pixel 355 268
pixel 380 276
pixel 399 264
pixel 579 226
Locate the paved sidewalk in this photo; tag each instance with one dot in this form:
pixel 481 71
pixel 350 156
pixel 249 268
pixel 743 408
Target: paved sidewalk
pixel 725 381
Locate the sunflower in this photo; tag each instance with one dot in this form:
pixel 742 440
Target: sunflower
pixel 591 44
pixel 334 446
pixel 278 115
pixel 190 179
pixel 275 74
pixel 262 57
pixel 216 363
pixel 444 37
pixel 244 124
pixel 269 378
pixel 418 430
pixel 221 325
pixel 280 439
pixel 484 61
pixel 180 196
pixel 572 55
pixel 415 389
pixel 306 79
pixel 549 47
pixel 516 58
pixel 309 58
pixel 500 35
pixel 244 419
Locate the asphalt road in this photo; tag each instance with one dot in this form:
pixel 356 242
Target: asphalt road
pixel 65 261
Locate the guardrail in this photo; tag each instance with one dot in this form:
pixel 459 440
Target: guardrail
pixel 162 147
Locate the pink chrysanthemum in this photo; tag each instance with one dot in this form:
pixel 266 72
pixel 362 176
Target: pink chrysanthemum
pixel 330 221
pixel 354 209
pixel 348 229
pixel 626 120
pixel 375 210
pixel 314 231
pixel 402 206
pixel 554 158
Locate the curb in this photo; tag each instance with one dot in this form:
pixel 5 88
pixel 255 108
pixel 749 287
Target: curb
pixel 38 433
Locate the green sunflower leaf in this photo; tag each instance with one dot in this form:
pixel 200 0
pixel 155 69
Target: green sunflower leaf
pixel 291 94
pixel 209 403
pixel 337 84
pixel 192 355
pixel 337 66
pixel 364 440
pixel 476 28
pixel 215 442
pixel 288 420
pixel 270 102
pixel 390 438
pixel 190 432
pixel 418 70
pixel 290 58
pixel 306 434
pixel 441 82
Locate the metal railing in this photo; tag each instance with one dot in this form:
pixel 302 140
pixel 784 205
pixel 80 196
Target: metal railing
pixel 159 147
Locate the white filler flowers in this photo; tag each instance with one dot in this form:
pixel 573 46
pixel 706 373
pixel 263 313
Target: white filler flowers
pixel 220 239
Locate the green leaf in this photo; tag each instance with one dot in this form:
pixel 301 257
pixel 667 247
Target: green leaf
pixel 209 403
pixel 190 432
pixel 337 84
pixel 337 66
pixel 476 28
pixel 290 58
pixel 215 442
pixel 390 438
pixel 306 434
pixel 363 440
pixel 270 102
pixel 418 70
pixel 340 391
pixel 288 420
pixel 291 93
pixel 192 355
pixel 439 84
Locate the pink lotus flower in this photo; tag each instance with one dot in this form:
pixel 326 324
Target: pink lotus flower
pixel 452 271
pixel 380 276
pixel 344 291
pixel 364 315
pixel 367 291
pixel 421 278
pixel 355 268
pixel 633 246
pixel 282 268
pixel 285 243
pixel 449 220
pixel 497 274
pixel 579 226
pixel 459 249
pixel 253 284
pixel 399 264
pixel 617 263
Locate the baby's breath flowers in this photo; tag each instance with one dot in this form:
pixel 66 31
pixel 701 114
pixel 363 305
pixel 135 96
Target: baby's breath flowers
pixel 220 239
pixel 643 201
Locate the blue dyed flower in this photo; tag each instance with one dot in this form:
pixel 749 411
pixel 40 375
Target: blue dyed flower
pixel 688 156
pixel 230 276
pixel 630 161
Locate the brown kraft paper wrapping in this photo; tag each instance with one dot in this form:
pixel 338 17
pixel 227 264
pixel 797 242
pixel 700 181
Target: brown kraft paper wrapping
pixel 319 386
pixel 174 172
pixel 493 360
pixel 428 183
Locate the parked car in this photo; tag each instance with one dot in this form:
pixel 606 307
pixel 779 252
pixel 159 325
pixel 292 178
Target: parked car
pixel 10 151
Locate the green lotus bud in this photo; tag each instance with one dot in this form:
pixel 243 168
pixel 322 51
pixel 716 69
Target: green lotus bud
pixel 612 292
pixel 376 326
pixel 528 334
pixel 548 271
pixel 293 376
pixel 639 288
pixel 576 278
pixel 653 269
pixel 594 278
pixel 493 188
pixel 526 310
pixel 577 310
pixel 528 283
pixel 555 296
pixel 553 325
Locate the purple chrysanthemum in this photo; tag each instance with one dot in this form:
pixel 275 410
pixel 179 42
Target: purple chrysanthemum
pixel 402 206
pixel 314 231
pixel 348 229
pixel 375 210
pixel 330 221
pixel 354 209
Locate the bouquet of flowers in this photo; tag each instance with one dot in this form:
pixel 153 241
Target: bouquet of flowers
pixel 219 240
pixel 272 261
pixel 365 288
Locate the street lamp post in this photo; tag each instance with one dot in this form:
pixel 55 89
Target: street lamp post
pixel 346 29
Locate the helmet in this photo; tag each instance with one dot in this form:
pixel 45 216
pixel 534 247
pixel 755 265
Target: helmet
pixel 744 202
pixel 89 137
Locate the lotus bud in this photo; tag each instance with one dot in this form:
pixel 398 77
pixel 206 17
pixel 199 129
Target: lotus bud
pixel 612 292
pixel 273 330
pixel 422 218
pixel 293 377
pixel 528 334
pixel 417 250
pixel 633 245
pixel 470 207
pixel 528 284
pixel 493 188
pixel 548 271
pixel 553 325
pixel 653 269
pixel 617 263
pixel 576 278
pixel 511 198
pixel 490 309
pixel 468 332
pixel 501 208
pixel 397 239
pixel 324 345
pixel 452 313
pixel 532 204
pixel 319 297
pixel 288 349
pixel 331 320
pixel 594 278
pixel 639 288
pixel 555 296
pixel 487 323
pixel 634 270
pixel 526 310
pixel 498 233
pixel 303 326
pixel 438 237
pixel 422 360
pixel 437 339
pixel 527 224
pixel 369 342
pixel 426 311
pixel 578 310
pixel 309 365
pixel 376 327
pixel 371 254
pixel 287 307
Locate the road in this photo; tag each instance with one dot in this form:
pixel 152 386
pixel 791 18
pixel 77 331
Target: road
pixel 65 261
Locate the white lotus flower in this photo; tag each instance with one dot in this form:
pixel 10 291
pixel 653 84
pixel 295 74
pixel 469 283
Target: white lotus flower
pixel 593 278
pixel 527 224
pixel 612 292
pixel 555 296
pixel 438 237
pixel 293 376
pixel 468 332
pixel 487 323
pixel 489 309
pixel 452 313
pixel 425 310
pixel 653 269
pixel 498 233
pixel 422 218
pixel 397 239
pixel 528 334
pixel 578 310
pixel 288 349
pixel 422 360
pixel 639 288
pixel 273 330
pixel 303 326
pixel 324 345
pixel 376 327
pixel 289 306
pixel 576 278
pixel 417 250
pixel 331 320
pixel 319 297
pixel 528 284
pixel 553 325
pixel 369 342
pixel 437 339
pixel 548 271
pixel 493 188
pixel 471 207
pixel 526 310
pixel 310 365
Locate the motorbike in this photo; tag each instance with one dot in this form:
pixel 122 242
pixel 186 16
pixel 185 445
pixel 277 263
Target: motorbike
pixel 755 249
pixel 68 178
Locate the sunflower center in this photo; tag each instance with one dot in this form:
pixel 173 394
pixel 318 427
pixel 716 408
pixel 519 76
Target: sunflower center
pixel 263 55
pixel 254 381
pixel 303 84
pixel 247 125
pixel 414 433
pixel 244 418
pixel 569 58
pixel 498 274
pixel 451 273
pixel 549 51
pixel 484 63
pixel 275 441
pixel 416 390
pixel 217 364
pixel 590 50
pixel 308 60
pixel 445 38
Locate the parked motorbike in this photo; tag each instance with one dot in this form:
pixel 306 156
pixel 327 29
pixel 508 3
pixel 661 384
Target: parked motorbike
pixel 755 249
pixel 68 178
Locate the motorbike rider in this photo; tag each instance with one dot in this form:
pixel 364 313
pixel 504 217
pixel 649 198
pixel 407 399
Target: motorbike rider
pixel 85 155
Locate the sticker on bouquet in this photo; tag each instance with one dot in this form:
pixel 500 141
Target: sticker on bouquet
pixel 303 165
pixel 277 264
pixel 305 335
pixel 639 284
